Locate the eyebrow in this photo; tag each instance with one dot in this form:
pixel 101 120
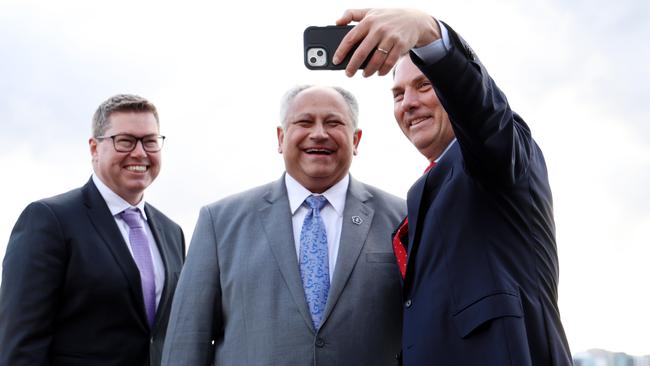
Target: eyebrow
pixel 132 135
pixel 311 116
pixel 300 116
pixel 417 80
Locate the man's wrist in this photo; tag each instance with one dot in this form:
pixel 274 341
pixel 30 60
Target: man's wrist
pixel 436 50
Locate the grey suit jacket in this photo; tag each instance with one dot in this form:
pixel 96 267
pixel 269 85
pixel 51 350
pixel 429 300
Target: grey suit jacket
pixel 241 286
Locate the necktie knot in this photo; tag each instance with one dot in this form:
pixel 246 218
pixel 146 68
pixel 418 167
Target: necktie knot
pixel 316 202
pixel 132 218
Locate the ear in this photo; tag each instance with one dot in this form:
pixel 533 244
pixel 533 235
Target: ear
pixel 280 132
pixel 92 144
pixel 355 140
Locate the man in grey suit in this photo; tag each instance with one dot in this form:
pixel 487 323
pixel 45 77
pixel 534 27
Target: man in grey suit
pixel 251 292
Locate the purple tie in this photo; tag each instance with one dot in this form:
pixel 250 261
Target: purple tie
pixel 142 257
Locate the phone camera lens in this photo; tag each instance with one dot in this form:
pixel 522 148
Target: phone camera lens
pixel 319 53
pixel 313 60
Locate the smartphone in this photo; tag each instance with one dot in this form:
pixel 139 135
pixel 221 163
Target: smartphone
pixel 320 44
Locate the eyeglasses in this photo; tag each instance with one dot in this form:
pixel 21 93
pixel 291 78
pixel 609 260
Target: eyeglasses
pixel 127 143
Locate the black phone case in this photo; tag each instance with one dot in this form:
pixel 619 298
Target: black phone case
pixel 328 38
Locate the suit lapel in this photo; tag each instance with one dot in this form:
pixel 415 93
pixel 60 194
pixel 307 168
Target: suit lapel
pixel 357 218
pixel 104 224
pixel 275 216
pixel 413 203
pixel 420 198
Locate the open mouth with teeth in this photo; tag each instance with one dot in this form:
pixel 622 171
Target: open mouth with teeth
pixel 417 121
pixel 137 168
pixel 319 151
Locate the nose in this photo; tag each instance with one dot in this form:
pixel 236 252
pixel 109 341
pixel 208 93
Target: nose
pixel 138 151
pixel 318 131
pixel 411 99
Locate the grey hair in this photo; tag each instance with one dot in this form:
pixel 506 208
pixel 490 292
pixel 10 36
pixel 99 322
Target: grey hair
pixel 290 95
pixel 120 103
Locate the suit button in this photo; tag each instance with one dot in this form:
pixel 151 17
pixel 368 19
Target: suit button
pixel 408 303
pixel 320 343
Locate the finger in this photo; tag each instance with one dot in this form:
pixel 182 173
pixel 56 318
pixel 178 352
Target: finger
pixel 352 15
pixel 346 18
pixel 366 46
pixel 349 41
pixel 389 63
pixel 378 58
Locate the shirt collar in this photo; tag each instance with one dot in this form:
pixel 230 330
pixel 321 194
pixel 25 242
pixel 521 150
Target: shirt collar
pixel 335 194
pixel 445 151
pixel 115 203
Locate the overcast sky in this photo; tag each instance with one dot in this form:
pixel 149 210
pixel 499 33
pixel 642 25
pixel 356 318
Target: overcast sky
pixel 576 72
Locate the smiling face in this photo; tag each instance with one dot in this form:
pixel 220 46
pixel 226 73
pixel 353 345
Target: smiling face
pixel 126 174
pixel 418 111
pixel 318 140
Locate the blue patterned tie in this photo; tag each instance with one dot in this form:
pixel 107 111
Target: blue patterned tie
pixel 314 259
pixel 142 257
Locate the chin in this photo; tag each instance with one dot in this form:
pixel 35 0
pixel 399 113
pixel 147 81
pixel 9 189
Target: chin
pixel 422 143
pixel 319 174
pixel 137 187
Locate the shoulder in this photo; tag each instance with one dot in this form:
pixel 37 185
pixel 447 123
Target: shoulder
pixel 60 205
pixel 42 223
pixel 73 196
pixel 245 199
pixel 383 199
pixel 160 217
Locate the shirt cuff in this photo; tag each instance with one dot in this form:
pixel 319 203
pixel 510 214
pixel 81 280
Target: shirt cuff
pixel 436 50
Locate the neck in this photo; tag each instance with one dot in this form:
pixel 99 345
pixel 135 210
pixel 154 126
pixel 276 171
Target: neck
pixel 133 200
pixel 434 153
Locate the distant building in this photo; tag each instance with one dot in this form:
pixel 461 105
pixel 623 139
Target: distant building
pixel 599 357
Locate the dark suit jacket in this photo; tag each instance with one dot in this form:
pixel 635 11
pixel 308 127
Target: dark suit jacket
pixel 482 273
pixel 71 292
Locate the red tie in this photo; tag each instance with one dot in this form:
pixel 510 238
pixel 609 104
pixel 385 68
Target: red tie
pixel 401 238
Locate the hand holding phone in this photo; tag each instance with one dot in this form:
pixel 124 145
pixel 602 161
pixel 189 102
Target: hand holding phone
pixel 385 35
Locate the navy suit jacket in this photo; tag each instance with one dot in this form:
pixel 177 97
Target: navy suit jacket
pixel 71 292
pixel 482 273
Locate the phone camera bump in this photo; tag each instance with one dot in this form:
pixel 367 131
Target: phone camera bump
pixel 316 57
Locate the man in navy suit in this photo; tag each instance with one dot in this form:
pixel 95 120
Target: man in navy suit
pixel 478 253
pixel 89 275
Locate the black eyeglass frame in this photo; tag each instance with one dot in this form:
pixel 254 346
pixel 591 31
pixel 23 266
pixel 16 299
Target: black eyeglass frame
pixel 160 138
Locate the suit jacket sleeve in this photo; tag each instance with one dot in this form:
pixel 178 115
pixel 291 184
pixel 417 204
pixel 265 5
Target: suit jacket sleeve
pixel 496 142
pixel 195 320
pixel 33 273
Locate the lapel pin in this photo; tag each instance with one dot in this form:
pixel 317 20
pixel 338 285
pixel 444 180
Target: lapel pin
pixel 357 220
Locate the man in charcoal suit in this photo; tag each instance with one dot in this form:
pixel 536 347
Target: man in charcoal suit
pixel 89 275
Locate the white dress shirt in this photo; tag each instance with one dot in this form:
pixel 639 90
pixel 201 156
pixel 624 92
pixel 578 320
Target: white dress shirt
pixel 445 150
pixel 437 49
pixel 116 205
pixel 331 213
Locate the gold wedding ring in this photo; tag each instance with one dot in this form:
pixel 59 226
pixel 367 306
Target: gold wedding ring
pixel 382 50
